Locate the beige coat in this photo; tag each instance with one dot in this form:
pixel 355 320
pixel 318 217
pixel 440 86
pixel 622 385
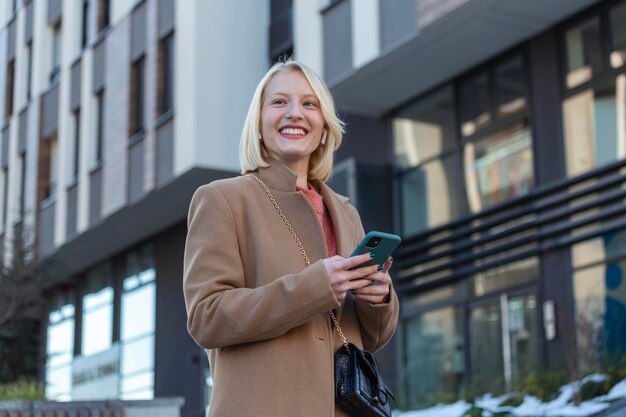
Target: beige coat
pixel 259 310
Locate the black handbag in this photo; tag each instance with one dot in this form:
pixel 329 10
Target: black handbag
pixel 359 388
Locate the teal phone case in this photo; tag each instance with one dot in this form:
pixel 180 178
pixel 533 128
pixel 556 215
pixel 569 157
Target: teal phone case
pixel 387 244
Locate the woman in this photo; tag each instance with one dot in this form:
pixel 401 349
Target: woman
pixel 251 300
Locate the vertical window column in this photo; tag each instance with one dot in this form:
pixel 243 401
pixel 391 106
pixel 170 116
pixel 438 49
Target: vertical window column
pixel 60 348
pixel 138 318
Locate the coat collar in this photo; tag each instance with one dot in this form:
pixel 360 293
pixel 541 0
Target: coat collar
pixel 281 178
pixel 278 177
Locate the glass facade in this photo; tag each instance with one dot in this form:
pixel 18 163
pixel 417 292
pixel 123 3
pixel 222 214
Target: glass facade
pixel 60 347
pixel 487 155
pixel 600 295
pixel 97 334
pixel 425 149
pixel 137 325
pixel 434 361
pixel 126 284
pixel 594 102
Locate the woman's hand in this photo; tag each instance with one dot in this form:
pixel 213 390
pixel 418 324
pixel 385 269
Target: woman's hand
pixel 343 280
pixel 380 283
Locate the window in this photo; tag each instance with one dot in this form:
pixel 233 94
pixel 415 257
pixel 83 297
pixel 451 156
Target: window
pixel 595 91
pixel 497 151
pixel 48 167
pixel 22 186
pixel 165 89
pixel 56 52
pixel 8 99
pixel 104 14
pixel 424 149
pixel 481 124
pixel 75 150
pixel 85 25
pixel 137 93
pixel 138 324
pixel 600 297
pixel 99 145
pixel 434 356
pixel 29 69
pixel 97 328
pixel 59 348
pixel 4 184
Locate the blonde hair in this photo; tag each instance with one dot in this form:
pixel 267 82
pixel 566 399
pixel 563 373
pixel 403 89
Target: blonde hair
pixel 251 151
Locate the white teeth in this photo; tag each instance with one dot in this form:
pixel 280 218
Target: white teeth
pixel 290 131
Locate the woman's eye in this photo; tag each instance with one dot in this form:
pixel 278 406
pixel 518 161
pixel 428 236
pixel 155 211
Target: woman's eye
pixel 310 104
pixel 279 101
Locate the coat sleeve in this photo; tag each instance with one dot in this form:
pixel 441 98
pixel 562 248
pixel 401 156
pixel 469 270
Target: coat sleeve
pixel 221 310
pixel 378 321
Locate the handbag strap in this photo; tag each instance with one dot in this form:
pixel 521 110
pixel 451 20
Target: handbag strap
pixel 302 251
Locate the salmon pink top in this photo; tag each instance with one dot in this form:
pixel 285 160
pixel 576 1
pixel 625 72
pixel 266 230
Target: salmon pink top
pixel 323 216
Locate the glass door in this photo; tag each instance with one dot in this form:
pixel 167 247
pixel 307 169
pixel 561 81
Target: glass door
pixel 503 341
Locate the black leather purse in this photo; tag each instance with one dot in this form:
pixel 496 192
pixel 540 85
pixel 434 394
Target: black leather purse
pixel 359 388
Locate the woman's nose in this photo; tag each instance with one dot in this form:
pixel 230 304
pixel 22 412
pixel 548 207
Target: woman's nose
pixel 294 111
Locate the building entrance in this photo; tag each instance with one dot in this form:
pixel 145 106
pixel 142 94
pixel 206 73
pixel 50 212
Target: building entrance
pixel 503 341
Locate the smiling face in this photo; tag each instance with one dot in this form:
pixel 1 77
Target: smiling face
pixel 291 119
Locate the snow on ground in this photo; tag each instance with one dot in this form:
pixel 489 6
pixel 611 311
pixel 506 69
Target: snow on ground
pixel 561 406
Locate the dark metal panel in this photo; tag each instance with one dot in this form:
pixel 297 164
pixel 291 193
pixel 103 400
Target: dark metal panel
pixel 546 109
pixel 337 40
pixel 95 196
pixel 166 17
pixel 28 23
pixel 170 319
pixel 11 40
pixel 138 32
pixel 557 286
pixel 54 11
pixel 98 65
pixel 368 130
pixel 72 210
pixel 165 152
pixel 45 237
pixel 22 132
pixel 135 171
pixel 397 20
pixel 75 75
pixel 50 110
pixel 4 157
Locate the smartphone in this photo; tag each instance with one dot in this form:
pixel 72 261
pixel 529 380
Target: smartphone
pixel 380 244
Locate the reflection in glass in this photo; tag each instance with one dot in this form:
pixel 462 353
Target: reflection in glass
pixel 505 276
pixel 618 31
pixel 583 52
pixel 475 104
pixel 510 87
pixel 138 325
pixel 594 127
pixel 600 293
pixel 434 356
pixel 59 348
pixel 499 167
pixel 504 341
pixel 429 196
pixel 424 129
pixel 97 329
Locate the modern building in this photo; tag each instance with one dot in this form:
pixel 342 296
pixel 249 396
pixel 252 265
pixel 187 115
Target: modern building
pixel 491 135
